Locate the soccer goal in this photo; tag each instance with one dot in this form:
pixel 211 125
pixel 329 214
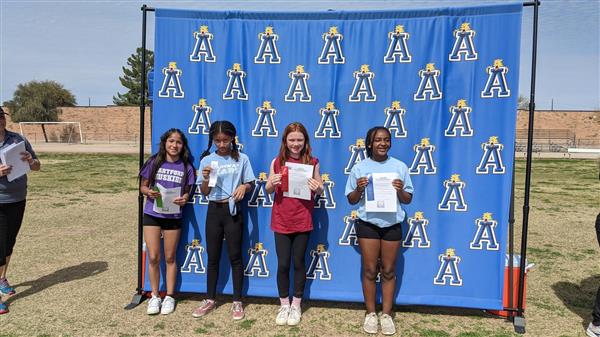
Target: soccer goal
pixel 59 132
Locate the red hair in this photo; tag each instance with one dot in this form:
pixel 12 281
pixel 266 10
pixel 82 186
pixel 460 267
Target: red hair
pixel 284 153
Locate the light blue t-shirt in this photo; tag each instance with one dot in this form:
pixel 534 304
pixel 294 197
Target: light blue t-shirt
pixel 390 165
pixel 231 174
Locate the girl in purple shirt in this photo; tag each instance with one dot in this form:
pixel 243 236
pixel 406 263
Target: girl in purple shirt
pixel 170 168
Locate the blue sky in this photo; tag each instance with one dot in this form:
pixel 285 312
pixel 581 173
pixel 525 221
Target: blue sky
pixel 84 44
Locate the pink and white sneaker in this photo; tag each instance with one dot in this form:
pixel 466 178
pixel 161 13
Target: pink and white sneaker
pixel 205 307
pixel 237 311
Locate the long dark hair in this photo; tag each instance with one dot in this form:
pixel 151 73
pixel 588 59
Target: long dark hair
pixel 284 152
pixel 157 159
pixel 225 127
pixel 371 136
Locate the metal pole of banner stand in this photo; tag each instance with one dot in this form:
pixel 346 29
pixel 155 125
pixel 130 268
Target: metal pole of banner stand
pixel 511 240
pixel 139 293
pixel 519 319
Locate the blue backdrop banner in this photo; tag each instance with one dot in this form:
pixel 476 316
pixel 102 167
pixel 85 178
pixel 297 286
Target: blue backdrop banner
pixel 445 83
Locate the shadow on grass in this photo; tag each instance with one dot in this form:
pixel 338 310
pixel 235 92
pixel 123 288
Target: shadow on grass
pixel 72 273
pixel 579 298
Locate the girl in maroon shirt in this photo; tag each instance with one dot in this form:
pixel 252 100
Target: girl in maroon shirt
pixel 291 220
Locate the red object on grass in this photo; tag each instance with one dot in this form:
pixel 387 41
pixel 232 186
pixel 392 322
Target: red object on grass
pixel 504 313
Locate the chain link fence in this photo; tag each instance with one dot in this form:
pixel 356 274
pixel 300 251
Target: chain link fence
pixel 553 140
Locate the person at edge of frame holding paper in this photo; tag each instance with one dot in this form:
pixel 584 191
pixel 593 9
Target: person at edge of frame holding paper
pixel 13 195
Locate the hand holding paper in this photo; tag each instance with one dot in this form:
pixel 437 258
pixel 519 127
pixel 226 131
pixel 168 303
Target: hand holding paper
pixel 285 179
pixel 398 184
pixel 298 176
pixel 214 170
pixel 205 173
pixel 153 193
pixel 313 184
pixel 275 178
pixel 27 157
pixel 4 170
pixel 180 201
pixel 168 195
pixel 403 196
pixel 12 156
pixel 381 193
pixel 361 183
pixel 157 196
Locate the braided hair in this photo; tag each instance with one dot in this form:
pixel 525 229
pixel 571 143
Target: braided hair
pixel 371 136
pixel 227 128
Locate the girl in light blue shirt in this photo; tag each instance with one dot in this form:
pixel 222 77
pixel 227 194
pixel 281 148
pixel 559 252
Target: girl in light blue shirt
pixel 235 178
pixel 379 233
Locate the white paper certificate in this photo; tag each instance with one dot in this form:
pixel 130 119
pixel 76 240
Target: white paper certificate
pixel 168 195
pixel 11 155
pixel 380 194
pixel 213 175
pixel 298 175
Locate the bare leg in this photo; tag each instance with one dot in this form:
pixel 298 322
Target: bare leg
pixel 389 254
pixel 369 250
pixel 171 239
pixel 152 237
pixel 4 268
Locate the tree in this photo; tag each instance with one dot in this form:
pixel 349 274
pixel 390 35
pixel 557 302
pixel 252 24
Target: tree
pixel 523 103
pixel 132 79
pixel 39 102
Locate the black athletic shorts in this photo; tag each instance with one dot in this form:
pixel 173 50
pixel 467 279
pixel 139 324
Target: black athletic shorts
pixel 366 230
pixel 163 223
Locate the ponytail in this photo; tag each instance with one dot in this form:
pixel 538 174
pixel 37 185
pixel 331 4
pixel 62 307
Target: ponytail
pixel 235 152
pixel 207 151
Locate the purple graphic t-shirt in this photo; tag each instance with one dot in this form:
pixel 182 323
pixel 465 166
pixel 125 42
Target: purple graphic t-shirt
pixel 169 175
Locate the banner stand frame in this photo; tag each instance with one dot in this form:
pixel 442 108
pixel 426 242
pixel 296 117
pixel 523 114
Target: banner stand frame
pixel 139 295
pixel 519 319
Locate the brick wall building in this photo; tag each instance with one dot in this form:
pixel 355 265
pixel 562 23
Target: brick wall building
pixel 121 124
pixel 98 124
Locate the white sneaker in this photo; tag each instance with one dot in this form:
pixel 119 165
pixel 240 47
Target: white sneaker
pixel 282 315
pixel 153 305
pixel 593 330
pixel 168 305
pixel 387 324
pixel 370 325
pixel 295 315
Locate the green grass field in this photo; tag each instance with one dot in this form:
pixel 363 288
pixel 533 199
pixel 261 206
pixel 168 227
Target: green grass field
pixel 74 265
